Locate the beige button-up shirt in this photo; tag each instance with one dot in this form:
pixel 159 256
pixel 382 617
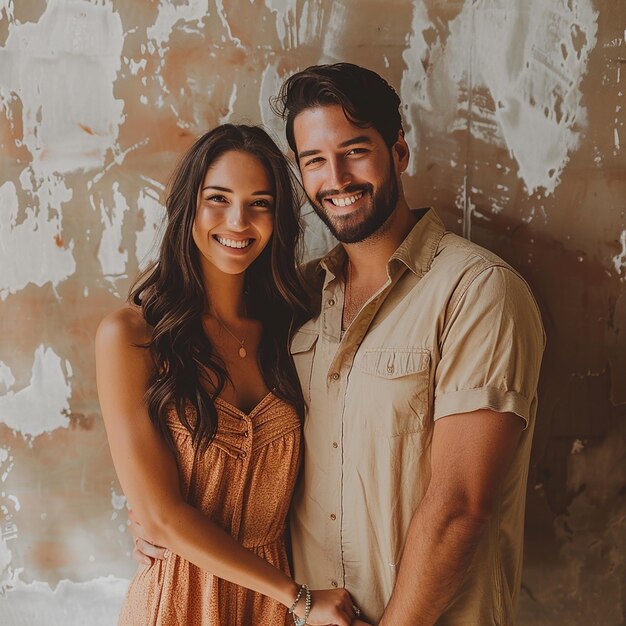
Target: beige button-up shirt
pixel 454 329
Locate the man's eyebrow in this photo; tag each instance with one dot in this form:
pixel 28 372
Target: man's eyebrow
pixel 227 190
pixel 306 153
pixel 343 144
pixel 359 139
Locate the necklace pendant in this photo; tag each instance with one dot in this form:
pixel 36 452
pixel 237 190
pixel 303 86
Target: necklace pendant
pixel 242 352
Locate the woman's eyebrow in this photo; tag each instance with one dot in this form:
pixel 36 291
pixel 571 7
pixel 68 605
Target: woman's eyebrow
pixel 227 190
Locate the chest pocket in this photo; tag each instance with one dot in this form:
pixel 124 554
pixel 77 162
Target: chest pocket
pixel 394 383
pixel 303 351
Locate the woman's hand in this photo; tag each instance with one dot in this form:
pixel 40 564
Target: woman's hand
pixel 329 607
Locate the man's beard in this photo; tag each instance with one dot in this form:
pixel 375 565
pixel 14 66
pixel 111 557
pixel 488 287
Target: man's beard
pixel 364 222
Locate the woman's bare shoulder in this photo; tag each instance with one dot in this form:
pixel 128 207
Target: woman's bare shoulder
pixel 124 327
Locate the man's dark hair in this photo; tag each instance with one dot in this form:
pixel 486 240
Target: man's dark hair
pixel 367 99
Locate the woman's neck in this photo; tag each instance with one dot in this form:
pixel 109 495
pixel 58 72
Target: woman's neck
pixel 226 299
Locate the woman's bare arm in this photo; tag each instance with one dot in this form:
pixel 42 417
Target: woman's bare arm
pixel 149 476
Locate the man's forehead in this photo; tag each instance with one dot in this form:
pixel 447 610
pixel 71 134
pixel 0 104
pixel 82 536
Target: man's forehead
pixel 327 125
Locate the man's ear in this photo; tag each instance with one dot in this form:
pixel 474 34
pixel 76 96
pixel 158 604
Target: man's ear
pixel 400 151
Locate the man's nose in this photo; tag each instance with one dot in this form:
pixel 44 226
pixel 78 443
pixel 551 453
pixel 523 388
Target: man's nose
pixel 339 174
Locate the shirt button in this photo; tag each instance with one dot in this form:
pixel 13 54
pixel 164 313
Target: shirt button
pixel 335 376
pixel 243 455
pixel 334 583
pixel 333 517
pixel 331 302
pixel 335 444
pixel 390 369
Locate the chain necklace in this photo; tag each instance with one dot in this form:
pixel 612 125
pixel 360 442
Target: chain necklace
pixel 242 351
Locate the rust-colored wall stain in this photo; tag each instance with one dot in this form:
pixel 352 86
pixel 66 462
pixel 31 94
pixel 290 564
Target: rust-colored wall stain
pixel 514 113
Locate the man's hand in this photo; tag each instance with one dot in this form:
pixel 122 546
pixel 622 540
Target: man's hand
pixel 144 551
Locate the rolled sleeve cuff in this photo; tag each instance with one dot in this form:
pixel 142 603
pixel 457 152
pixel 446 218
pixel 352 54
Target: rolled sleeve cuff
pixel 467 400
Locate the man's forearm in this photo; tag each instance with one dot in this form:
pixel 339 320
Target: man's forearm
pixel 438 550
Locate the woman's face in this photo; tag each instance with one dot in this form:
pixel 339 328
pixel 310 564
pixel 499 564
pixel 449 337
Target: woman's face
pixel 235 213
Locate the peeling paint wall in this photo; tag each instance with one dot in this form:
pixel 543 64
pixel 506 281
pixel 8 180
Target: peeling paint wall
pixel 514 113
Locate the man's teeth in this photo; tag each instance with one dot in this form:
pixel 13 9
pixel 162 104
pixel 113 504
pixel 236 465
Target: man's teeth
pixel 346 201
pixel 231 243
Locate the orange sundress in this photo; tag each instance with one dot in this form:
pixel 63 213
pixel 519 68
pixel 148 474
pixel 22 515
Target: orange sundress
pixel 244 483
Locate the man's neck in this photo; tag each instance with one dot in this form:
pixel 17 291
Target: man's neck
pixel 368 259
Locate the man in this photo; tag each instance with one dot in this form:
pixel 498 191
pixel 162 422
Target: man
pixel 419 373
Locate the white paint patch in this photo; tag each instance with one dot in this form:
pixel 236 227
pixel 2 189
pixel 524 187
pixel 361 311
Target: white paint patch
pixel 148 239
pixel 338 22
pixel 414 84
pixel 516 71
pixel 118 500
pixel 270 85
pixel 619 260
pixel 7 574
pixel 96 602
pixel 7 379
pixel 32 251
pixel 231 106
pixel 6 464
pixel 284 12
pixel 135 66
pixel 43 405
pixel 190 14
pixel 6 7
pixel 531 57
pixel 219 5
pixel 62 68
pixel 16 503
pixel 110 254
pixel 297 24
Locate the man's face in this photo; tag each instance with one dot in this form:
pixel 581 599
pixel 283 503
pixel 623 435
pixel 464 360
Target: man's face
pixel 348 172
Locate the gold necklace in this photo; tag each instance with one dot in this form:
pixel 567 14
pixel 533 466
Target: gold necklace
pixel 242 351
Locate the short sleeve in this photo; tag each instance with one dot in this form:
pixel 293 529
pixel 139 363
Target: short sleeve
pixel 491 348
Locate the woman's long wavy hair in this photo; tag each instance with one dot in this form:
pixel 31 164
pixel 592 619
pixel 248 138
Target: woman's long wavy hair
pixel 171 292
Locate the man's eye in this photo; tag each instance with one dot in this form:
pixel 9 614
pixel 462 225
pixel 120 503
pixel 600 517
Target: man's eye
pixel 357 151
pixel 313 161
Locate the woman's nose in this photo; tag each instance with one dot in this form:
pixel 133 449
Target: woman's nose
pixel 236 216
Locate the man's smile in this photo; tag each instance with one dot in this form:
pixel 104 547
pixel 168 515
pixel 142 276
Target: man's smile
pixel 347 201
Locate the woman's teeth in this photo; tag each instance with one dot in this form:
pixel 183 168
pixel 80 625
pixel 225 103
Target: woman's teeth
pixel 231 243
pixel 346 201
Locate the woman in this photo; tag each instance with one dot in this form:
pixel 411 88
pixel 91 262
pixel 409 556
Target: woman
pixel 200 398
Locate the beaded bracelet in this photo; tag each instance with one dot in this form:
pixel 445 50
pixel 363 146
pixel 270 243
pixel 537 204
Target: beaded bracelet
pixel 301 621
pixel 292 608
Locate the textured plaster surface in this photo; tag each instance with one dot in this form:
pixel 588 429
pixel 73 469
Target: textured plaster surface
pixel 514 111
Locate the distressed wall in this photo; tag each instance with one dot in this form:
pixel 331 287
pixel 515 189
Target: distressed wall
pixel 514 111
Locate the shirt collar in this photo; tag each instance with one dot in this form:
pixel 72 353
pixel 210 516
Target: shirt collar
pixel 416 252
pixel 418 249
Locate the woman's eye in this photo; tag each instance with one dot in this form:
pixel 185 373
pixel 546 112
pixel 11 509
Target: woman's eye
pixel 215 198
pixel 264 204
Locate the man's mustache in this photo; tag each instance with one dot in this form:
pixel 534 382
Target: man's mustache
pixel 365 188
